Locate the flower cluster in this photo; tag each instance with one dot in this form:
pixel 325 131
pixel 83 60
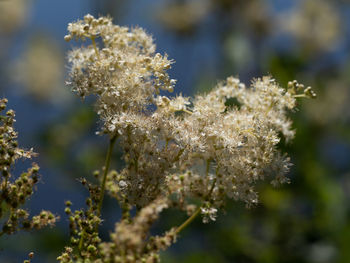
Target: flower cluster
pixel 82 224
pixel 124 74
pixel 178 151
pixel 15 192
pixel 130 243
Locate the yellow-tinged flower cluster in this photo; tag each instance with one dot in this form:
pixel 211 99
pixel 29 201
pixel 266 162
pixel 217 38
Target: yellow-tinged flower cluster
pixel 124 73
pixel 205 148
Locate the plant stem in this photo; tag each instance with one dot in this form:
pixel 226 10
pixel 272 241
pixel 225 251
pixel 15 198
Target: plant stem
pixel 103 186
pixel 187 111
pixel 207 168
pixel 299 96
pixel 212 188
pixel 166 144
pixel 196 213
pixel 95 47
pixel 81 241
pixel 189 220
pixel 106 168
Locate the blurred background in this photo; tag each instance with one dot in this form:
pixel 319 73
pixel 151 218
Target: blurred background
pixel 308 40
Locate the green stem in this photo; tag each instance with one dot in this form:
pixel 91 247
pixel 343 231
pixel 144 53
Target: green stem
pixel 187 111
pixel 197 212
pixel 166 144
pixel 125 211
pixel 4 186
pixel 299 96
pixel 103 186
pixel 106 168
pixel 95 47
pixel 81 241
pixel 178 155
pixel 207 168
pixel 212 188
pixel 189 220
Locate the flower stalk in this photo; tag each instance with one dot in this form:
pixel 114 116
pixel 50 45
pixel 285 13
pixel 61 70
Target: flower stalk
pixel 105 172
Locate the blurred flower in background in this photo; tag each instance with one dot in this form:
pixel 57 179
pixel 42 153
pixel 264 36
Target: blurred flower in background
pixel 183 16
pixel 335 92
pixel 238 51
pixel 316 24
pixel 39 71
pixel 13 15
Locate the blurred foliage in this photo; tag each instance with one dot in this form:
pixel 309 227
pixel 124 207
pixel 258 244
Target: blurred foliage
pixel 305 221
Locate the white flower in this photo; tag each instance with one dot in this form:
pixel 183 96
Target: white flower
pixel 201 148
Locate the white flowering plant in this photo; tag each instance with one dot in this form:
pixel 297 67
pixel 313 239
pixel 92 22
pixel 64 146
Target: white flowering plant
pixel 188 154
pixel 185 153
